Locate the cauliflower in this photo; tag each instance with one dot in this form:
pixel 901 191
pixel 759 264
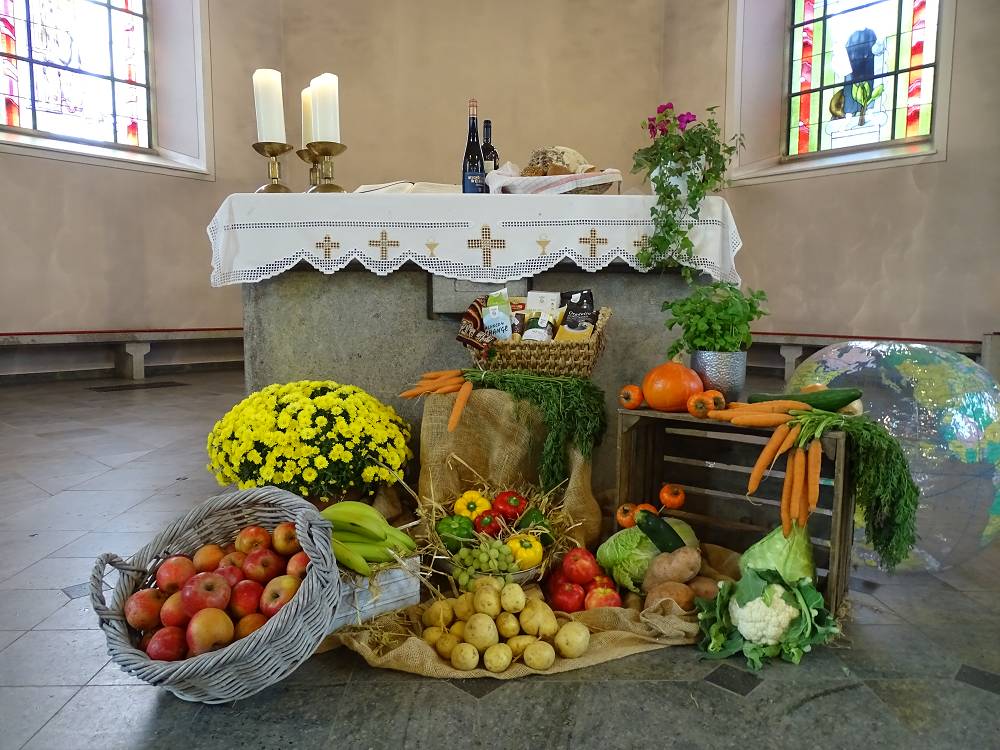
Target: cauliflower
pixel 764 620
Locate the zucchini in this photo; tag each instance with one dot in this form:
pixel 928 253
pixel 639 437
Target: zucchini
pixel 659 531
pixel 832 399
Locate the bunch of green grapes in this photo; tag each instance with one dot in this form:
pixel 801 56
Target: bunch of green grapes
pixel 492 558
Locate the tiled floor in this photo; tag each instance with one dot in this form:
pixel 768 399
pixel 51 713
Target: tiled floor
pixel 83 472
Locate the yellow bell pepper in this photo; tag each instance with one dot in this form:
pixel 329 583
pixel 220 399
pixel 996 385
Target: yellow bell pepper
pixel 527 550
pixel 472 504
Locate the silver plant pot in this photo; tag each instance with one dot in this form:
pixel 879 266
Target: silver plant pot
pixel 721 371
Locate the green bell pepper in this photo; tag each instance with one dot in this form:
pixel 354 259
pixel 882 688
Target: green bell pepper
pixel 455 532
pixel 534 518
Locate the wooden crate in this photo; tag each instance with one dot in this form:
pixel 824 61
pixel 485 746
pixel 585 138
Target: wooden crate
pixel 712 462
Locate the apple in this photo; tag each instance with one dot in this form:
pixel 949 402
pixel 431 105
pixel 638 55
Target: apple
pixel 173 573
pixel 205 590
pixel 251 538
pixel 167 644
pixel 297 565
pixel 234 559
pixel 601 582
pixel 579 566
pixel 147 637
pixel 602 598
pixel 556 578
pixel 283 539
pixel 207 557
pixel 262 565
pixel 172 613
pixel 142 609
pixel 249 623
pixel 245 599
pixel 567 597
pixel 209 629
pixel 232 574
pixel 277 594
pixel 229 548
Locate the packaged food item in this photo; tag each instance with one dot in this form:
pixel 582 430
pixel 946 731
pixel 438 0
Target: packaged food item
pixel 497 322
pixel 538 326
pixel 547 302
pixel 499 299
pixel 580 309
pixel 471 331
pixel 574 332
pixel 517 327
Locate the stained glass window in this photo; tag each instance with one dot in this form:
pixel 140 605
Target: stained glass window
pixel 862 72
pixel 76 69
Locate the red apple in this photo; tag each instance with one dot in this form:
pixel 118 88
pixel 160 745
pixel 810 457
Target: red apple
pixel 602 598
pixel 601 582
pixel 173 573
pixel 232 574
pixel 297 565
pixel 234 559
pixel 207 557
pixel 567 597
pixel 283 539
pixel 229 548
pixel 147 637
pixel 167 644
pixel 262 565
pixel 249 623
pixel 142 609
pixel 203 591
pixel 277 594
pixel 209 629
pixel 172 613
pixel 580 566
pixel 245 599
pixel 251 538
pixel 556 578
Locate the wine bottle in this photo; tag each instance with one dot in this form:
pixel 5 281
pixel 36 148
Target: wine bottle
pixel 490 156
pixel 473 172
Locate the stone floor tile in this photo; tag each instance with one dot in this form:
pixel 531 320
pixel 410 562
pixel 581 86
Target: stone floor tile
pixel 981 573
pixel 327 669
pixel 665 664
pixel 112 674
pixel 24 710
pixel 129 477
pixel 22 610
pixel 865 609
pixel 22 548
pixel 94 543
pixel 943 713
pixel 119 459
pixel 75 614
pixel 56 484
pixel 53 657
pixel 51 573
pixel 74 510
pixel 973 642
pixel 7 637
pixel 921 605
pixel 893 651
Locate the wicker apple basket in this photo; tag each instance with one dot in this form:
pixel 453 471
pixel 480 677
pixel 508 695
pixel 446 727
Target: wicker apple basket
pixel 264 657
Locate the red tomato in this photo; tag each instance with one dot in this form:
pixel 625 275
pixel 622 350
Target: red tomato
pixel 580 566
pixel 568 597
pixel 601 582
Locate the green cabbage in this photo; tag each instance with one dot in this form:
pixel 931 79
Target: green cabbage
pixel 627 554
pixel 791 558
pixel 684 531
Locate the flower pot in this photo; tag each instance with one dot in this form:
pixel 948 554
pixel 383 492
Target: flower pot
pixel 679 181
pixel 721 371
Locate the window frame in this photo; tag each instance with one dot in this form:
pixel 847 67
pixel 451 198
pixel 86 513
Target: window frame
pixel 777 165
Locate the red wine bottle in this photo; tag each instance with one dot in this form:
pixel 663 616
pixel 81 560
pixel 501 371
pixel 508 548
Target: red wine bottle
pixel 473 172
pixel 490 155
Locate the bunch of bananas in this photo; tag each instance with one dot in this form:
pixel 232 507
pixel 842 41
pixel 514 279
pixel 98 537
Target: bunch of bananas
pixel 361 535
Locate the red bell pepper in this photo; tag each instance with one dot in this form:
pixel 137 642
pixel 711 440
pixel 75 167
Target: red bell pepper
pixel 509 505
pixel 488 523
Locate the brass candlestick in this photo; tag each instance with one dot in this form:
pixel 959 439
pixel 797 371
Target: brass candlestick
pixel 324 152
pixel 313 161
pixel 272 150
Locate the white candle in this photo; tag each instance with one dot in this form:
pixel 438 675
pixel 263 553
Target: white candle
pixel 326 107
pixel 267 102
pixel 307 117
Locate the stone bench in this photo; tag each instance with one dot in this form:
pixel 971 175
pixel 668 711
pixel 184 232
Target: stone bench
pixel 131 346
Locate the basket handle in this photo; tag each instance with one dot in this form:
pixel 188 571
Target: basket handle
pixel 97 600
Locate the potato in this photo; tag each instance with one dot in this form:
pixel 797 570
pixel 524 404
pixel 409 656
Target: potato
pixel 432 634
pixel 484 581
pixel 534 591
pixel 679 566
pixel 548 625
pixel 507 625
pixel 498 657
pixel 704 587
pixel 530 616
pixel 679 592
pixel 457 629
pixel 487 601
pixel 445 645
pixel 572 640
pixel 540 655
pixel 520 642
pixel 465 657
pixel 632 600
pixel 464 607
pixel 439 614
pixel 481 631
pixel 512 598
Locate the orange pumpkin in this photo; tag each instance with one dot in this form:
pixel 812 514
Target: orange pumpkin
pixel 667 387
pixel 630 397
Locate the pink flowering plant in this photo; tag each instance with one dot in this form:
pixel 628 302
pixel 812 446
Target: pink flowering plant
pixel 694 151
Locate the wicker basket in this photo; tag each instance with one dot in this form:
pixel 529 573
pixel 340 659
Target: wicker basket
pixel 576 358
pixel 264 657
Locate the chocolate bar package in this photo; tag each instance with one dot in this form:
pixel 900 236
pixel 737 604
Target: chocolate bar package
pixel 580 309
pixel 472 331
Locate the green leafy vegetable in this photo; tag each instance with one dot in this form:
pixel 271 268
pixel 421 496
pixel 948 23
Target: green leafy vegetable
pixel 627 554
pixel 714 317
pixel 791 557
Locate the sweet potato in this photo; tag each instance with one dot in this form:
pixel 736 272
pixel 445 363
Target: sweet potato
pixel 679 566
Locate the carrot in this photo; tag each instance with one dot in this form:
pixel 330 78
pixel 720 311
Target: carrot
pixel 756 419
pixel 815 459
pixel 774 407
pixel 432 384
pixel 435 374
pixel 790 438
pixel 786 496
pixel 736 405
pixel 798 486
pixel 460 401
pixel 722 415
pixel 413 392
pixel 766 457
pixel 449 388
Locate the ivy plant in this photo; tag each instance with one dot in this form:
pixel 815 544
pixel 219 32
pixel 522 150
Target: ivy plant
pixel 714 317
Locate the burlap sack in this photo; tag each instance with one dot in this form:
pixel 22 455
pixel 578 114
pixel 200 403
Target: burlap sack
pixel 501 439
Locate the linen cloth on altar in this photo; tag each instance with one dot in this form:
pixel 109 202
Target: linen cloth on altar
pixel 482 238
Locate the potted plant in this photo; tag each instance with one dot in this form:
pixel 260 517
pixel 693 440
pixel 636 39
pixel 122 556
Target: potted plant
pixel 686 160
pixel 715 323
